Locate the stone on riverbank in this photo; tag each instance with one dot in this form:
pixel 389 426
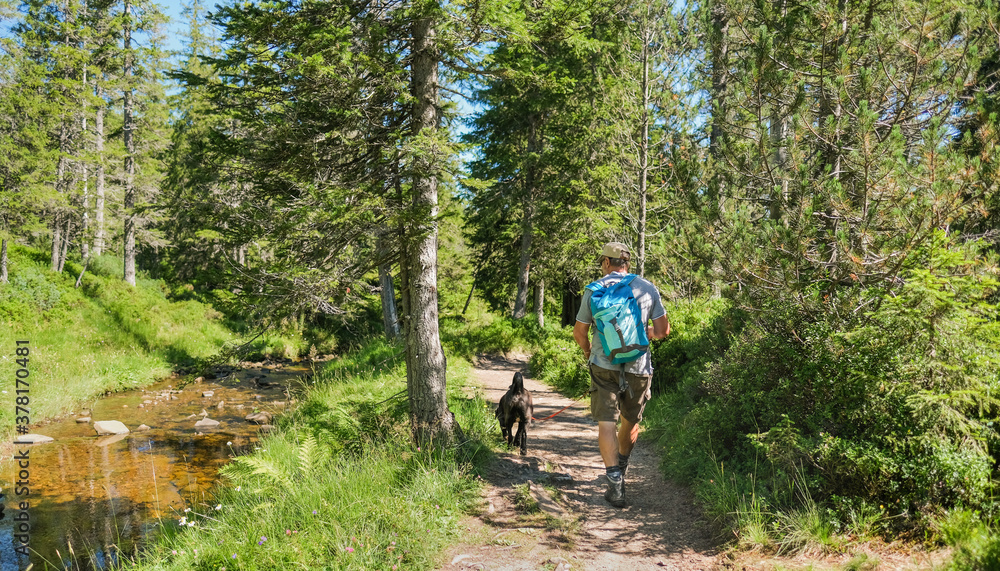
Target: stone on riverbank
pixel 105 427
pixel 260 417
pixel 207 423
pixel 32 439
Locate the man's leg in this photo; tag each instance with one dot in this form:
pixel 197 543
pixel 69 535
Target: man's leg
pixel 628 434
pixel 608 442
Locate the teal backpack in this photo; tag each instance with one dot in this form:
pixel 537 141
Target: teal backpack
pixel 619 320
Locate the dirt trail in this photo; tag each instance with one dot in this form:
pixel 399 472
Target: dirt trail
pixel 661 528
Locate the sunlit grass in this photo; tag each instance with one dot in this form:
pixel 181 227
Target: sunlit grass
pixel 339 485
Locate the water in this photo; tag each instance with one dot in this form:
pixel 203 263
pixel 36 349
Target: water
pixel 91 498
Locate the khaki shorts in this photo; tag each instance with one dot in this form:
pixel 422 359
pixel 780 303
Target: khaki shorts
pixel 605 401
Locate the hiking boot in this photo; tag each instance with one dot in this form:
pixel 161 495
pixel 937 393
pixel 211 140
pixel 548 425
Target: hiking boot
pixel 616 492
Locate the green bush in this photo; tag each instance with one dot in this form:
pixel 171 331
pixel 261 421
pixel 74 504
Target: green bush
pixel 558 361
pixel 889 405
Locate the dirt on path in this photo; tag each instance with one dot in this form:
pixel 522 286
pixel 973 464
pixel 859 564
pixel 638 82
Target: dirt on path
pixel 547 510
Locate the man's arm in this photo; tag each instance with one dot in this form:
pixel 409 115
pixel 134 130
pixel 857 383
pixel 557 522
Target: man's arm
pixel 659 330
pixel 581 334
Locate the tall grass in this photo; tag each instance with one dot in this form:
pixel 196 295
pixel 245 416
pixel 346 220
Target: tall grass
pixel 104 337
pixel 339 485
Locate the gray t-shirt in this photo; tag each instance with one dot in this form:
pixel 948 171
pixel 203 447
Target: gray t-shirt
pixel 648 298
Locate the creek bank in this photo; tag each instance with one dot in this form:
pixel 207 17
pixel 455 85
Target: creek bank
pixel 116 472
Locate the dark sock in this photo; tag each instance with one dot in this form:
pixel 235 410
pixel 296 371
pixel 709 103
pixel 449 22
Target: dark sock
pixel 622 461
pixel 614 472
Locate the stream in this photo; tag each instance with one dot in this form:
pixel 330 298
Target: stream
pixel 92 497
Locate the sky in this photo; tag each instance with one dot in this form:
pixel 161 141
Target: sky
pixel 176 29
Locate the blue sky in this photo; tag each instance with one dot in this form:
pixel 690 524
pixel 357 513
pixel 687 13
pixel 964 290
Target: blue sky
pixel 176 28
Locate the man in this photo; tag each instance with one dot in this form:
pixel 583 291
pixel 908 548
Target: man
pixel 606 402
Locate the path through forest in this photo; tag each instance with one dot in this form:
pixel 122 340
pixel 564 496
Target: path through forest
pixel 661 527
pixel 575 529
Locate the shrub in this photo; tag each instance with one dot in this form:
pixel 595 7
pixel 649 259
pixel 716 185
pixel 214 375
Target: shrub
pixel 889 405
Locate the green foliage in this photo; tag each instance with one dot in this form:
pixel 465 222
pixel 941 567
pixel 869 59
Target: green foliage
pixel 701 330
pixel 892 406
pixel 105 336
pixel 975 543
pixel 558 361
pixel 338 482
pixel 493 336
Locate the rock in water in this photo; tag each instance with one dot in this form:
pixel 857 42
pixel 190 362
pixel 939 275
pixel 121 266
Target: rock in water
pixel 104 427
pixel 259 417
pixel 207 423
pixel 32 439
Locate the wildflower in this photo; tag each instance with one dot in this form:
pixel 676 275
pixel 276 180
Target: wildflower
pixel 196 552
pixel 186 510
pixel 263 538
pixel 315 512
pixel 238 488
pixel 173 551
pixel 190 524
pixel 218 507
pixel 234 556
pixel 288 532
pixel 183 521
pixel 230 443
pixel 350 550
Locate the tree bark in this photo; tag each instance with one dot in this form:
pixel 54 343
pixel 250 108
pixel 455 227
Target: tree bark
pixel 430 419
pixel 540 302
pixel 127 136
pixel 720 87
pixel 64 246
pixel 3 261
pixel 640 264
pixel 99 176
pixel 527 225
pixel 389 318
pixel 524 265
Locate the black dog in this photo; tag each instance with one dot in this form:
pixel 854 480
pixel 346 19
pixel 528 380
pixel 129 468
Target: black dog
pixel 515 405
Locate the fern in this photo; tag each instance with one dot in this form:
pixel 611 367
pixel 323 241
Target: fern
pixel 309 457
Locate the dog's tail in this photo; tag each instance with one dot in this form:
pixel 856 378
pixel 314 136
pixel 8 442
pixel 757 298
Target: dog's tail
pixel 518 384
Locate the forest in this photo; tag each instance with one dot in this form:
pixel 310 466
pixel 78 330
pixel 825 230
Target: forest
pixel 812 184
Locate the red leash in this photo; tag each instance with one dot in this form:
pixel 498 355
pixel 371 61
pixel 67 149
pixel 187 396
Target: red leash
pixel 557 412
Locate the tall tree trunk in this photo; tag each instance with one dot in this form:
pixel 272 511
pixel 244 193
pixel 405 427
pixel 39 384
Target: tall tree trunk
pixel 59 215
pixel 99 176
pixel 779 133
pixel 524 264
pixel 3 261
pixel 85 218
pixel 127 136
pixel 719 46
pixel 389 318
pixel 64 246
pixel 540 302
pixel 640 264
pixel 430 419
pixel 527 224
pixel 56 239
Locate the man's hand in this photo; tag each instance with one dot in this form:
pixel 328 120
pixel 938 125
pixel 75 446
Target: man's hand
pixel 660 328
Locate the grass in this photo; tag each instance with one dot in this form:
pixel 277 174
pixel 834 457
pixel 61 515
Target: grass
pixel 104 337
pixel 339 485
pixel 107 336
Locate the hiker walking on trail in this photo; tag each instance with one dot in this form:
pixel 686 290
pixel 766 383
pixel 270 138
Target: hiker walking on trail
pixel 620 307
